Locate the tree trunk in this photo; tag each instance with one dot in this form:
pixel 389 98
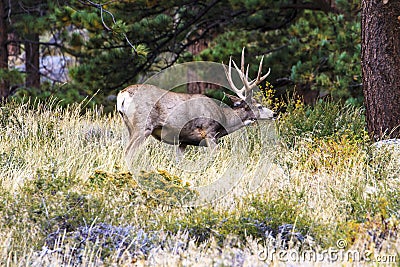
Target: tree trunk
pixel 381 66
pixel 4 83
pixel 32 61
pixel 198 87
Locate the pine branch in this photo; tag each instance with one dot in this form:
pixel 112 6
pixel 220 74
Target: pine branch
pixel 102 10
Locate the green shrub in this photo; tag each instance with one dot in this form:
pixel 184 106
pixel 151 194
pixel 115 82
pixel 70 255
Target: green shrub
pixel 326 119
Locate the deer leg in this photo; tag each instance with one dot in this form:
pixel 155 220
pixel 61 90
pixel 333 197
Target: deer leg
pixel 180 152
pixel 211 143
pixel 135 141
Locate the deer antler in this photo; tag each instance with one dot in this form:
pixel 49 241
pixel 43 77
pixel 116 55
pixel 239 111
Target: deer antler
pixel 245 92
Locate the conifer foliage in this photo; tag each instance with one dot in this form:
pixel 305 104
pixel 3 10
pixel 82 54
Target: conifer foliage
pixel 311 46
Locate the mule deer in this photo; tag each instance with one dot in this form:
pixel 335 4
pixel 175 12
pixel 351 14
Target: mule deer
pixel 189 119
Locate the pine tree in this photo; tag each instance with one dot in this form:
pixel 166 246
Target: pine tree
pixel 27 20
pixel 4 83
pixel 381 67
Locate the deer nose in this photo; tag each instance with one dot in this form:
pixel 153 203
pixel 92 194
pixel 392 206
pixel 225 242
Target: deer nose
pixel 275 115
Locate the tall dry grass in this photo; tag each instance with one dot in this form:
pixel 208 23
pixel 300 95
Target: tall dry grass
pixel 68 197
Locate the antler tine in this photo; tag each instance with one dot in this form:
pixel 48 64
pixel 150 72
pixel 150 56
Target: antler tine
pixel 228 73
pixel 245 79
pixel 242 62
pixel 266 75
pixel 247 72
pixel 237 69
pixel 260 79
pixel 260 67
pixel 241 74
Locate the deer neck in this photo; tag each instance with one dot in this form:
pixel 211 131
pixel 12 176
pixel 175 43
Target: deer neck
pixel 238 118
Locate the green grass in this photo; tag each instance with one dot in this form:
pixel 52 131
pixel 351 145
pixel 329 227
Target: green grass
pixel 67 196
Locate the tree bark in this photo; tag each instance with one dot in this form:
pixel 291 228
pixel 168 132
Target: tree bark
pixel 198 87
pixel 4 83
pixel 32 55
pixel 380 58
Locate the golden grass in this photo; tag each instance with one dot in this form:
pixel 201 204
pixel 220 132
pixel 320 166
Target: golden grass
pixel 63 173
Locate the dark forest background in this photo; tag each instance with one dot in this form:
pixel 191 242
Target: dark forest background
pixel 73 49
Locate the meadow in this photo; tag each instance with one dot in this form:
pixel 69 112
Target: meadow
pixel 309 188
